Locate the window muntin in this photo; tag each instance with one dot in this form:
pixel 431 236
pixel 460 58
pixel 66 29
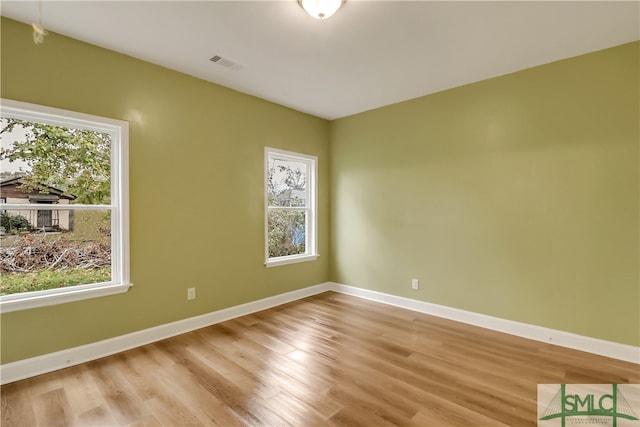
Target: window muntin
pixel 290 211
pixel 92 226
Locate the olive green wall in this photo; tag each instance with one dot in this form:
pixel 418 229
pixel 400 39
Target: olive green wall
pixel 196 188
pixel 516 197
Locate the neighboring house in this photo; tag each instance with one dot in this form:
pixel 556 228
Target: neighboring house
pixel 49 220
pixel 291 197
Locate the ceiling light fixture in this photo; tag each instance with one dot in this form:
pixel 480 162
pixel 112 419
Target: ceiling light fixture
pixel 321 9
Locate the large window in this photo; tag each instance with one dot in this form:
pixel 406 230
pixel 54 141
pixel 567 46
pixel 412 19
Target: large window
pixel 64 234
pixel 290 198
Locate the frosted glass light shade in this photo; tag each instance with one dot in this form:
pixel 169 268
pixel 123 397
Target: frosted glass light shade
pixel 321 9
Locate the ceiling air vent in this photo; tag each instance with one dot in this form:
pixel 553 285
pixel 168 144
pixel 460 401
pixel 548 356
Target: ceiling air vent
pixel 226 62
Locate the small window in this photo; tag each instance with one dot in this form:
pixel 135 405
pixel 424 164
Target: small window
pixel 290 199
pixel 64 203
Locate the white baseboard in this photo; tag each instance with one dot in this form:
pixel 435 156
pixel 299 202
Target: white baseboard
pixel 31 367
pixel 538 333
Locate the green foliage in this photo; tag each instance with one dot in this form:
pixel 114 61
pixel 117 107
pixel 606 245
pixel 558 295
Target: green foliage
pixel 286 233
pixel 286 181
pixel 14 222
pixel 91 226
pixel 13 283
pixel 76 161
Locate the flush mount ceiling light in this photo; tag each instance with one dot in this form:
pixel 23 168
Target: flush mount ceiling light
pixel 321 9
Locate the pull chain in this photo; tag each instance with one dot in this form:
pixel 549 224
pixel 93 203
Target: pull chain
pixel 38 31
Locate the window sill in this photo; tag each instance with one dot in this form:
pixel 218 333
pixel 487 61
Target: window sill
pixel 9 303
pixel 290 260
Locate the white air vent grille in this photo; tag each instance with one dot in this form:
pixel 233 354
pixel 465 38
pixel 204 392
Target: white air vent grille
pixel 225 62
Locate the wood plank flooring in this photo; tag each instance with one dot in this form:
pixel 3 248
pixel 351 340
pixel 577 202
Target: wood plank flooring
pixel 328 360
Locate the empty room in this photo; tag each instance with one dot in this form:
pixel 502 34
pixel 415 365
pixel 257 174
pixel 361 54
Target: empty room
pixel 320 213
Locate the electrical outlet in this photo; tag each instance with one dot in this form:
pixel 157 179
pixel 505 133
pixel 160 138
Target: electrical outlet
pixel 415 284
pixel 191 293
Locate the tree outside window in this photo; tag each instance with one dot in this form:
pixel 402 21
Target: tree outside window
pixel 64 209
pixel 290 206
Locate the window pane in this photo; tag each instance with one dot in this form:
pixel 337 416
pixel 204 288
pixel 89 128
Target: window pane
pixel 287 183
pixel 47 249
pixel 286 232
pixel 44 163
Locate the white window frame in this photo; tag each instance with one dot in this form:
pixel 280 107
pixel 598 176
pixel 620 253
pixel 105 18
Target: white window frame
pixel 119 206
pixel 311 230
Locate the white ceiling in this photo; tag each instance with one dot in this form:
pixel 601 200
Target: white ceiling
pixel 369 54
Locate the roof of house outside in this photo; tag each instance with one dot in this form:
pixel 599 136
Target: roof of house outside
pixel 17 181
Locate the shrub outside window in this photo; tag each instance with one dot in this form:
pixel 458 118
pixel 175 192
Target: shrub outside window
pixel 63 205
pixel 290 207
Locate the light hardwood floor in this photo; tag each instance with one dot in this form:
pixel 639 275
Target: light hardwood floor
pixel 331 359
